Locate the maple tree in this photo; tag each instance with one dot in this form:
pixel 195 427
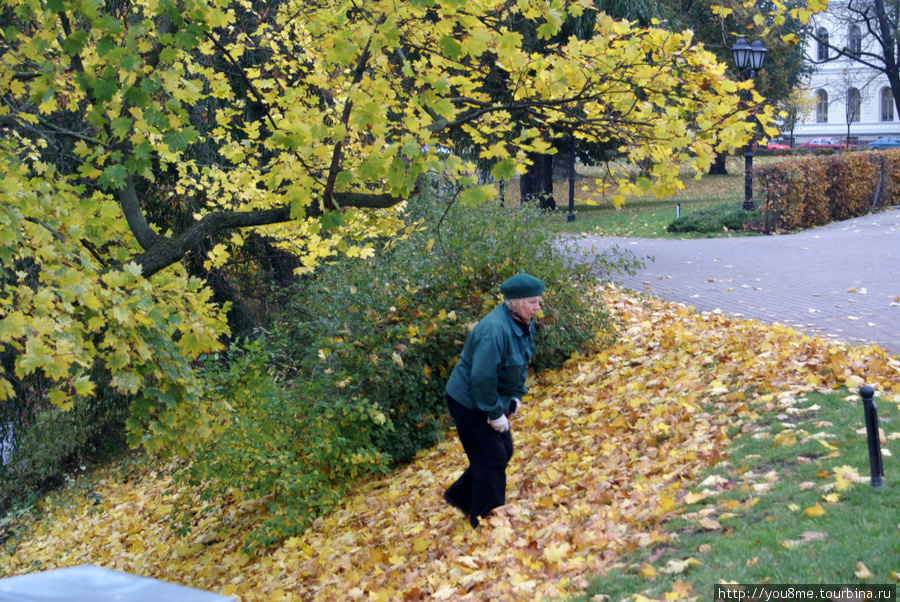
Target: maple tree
pixel 307 120
pixel 346 99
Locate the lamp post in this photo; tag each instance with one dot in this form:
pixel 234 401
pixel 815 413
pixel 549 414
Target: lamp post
pixel 749 59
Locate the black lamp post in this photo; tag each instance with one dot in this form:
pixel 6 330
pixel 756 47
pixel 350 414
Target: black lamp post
pixel 749 59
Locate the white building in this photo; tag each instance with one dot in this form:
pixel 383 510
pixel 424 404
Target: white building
pixel 845 90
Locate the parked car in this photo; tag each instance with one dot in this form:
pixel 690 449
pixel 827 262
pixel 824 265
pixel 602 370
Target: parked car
pixel 884 142
pixel 824 143
pixel 778 146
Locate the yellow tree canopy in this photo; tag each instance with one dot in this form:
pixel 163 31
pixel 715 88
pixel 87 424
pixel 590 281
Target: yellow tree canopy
pixel 310 119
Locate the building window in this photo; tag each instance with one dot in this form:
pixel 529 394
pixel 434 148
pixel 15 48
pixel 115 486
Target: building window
pixel 854 104
pixel 821 106
pixel 854 42
pixel 887 105
pixel 822 52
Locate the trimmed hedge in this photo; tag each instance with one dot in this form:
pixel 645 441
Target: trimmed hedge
pixel 812 191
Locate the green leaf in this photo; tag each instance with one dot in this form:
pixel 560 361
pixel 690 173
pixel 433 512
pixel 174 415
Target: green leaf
pixel 136 96
pixel 121 126
pixel 451 47
pixel 505 168
pixel 74 44
pixel 113 177
pixel 546 31
pixel 83 386
pixel 476 195
pixel 11 34
pixel 168 54
pixel 344 177
pixel 332 221
pixel 106 88
pixel 372 168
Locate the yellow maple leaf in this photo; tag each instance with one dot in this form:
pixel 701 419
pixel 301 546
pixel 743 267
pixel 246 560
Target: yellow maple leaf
pixel 839 482
pixel 814 511
pixel 648 571
pixel 693 498
pixel 554 553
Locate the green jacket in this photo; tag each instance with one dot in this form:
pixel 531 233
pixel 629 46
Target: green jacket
pixel 493 364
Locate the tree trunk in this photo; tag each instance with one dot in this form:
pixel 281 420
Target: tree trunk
pixel 537 183
pixel 718 168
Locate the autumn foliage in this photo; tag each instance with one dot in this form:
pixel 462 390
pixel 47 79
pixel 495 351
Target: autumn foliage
pixel 607 448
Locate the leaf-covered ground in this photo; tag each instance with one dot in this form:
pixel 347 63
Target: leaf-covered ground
pixel 605 452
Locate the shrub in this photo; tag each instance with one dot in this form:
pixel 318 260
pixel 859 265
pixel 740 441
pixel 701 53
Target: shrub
pixel 351 380
pixel 42 446
pixel 714 219
pixel 294 445
pixel 391 329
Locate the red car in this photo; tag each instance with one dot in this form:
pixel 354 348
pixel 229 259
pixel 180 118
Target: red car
pixel 824 143
pixel 778 146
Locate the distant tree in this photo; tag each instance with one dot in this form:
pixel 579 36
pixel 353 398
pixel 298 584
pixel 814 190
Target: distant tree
pixel 869 37
pixel 795 108
pixel 719 27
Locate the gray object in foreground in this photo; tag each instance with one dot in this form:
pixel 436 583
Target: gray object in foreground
pixel 88 583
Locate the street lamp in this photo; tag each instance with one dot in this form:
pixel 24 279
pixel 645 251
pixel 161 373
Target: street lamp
pixel 749 59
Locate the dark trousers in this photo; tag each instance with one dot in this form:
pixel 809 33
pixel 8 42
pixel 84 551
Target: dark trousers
pixel 482 487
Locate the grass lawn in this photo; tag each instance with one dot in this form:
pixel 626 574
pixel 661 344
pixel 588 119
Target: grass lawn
pixel 792 505
pixel 646 216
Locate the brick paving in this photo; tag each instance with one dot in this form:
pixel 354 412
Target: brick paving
pixel 804 280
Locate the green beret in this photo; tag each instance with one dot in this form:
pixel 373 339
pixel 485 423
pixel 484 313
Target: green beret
pixel 522 285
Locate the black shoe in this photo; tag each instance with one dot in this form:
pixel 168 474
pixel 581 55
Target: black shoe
pixel 455 504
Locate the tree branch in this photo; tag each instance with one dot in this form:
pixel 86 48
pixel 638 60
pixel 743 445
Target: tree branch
pixel 167 251
pixel 335 166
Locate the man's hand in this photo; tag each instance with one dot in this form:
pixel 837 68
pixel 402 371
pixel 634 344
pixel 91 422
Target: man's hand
pixel 501 425
pixel 514 404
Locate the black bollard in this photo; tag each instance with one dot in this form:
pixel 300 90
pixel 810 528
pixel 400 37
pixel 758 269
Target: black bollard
pixel 867 392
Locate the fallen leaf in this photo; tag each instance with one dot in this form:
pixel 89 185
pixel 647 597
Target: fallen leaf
pixel 680 590
pixel 710 524
pixel 693 498
pixel 813 535
pixel 814 511
pixel 840 484
pixel 832 498
pixel 554 553
pixel 827 445
pixel 862 572
pixel 674 567
pixel 648 571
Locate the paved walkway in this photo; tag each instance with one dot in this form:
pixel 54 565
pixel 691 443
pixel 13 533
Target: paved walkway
pixel 841 280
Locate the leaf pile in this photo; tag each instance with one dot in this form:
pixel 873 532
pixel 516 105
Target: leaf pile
pixel 605 450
